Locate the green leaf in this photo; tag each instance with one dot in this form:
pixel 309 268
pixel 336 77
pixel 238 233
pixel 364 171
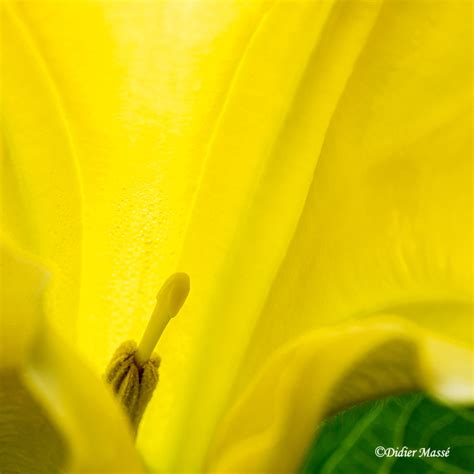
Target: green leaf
pixel 346 443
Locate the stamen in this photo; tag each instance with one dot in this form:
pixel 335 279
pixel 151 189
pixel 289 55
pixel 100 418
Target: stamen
pixel 133 372
pixel 169 300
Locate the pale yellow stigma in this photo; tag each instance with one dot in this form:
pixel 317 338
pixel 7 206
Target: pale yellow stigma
pixel 169 300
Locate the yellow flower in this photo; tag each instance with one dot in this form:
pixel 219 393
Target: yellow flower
pixel 307 163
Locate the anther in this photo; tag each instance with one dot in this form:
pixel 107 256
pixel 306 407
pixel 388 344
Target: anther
pixel 133 372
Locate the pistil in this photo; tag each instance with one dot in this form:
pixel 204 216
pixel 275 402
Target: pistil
pixel 133 371
pixel 169 300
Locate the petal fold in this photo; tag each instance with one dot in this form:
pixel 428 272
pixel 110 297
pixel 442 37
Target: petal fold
pixel 272 425
pixel 253 187
pixel 140 110
pixel 55 413
pixel 22 284
pixel 387 221
pixel 94 426
pixel 40 195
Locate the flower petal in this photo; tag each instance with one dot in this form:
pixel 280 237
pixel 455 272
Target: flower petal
pixel 273 424
pixel 142 84
pixel 258 170
pixel 93 424
pixel 22 284
pixel 387 225
pixel 364 207
pixel 40 193
pixel 369 236
pixel 141 123
pixel 54 411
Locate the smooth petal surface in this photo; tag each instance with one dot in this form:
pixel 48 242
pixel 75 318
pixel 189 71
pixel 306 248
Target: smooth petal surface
pixel 305 162
pixel 141 108
pixel 141 126
pixel 387 225
pixel 40 198
pixel 281 101
pixel 54 411
pixel 22 284
pixel 388 219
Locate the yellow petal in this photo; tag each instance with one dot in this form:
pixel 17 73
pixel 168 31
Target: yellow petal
pixel 141 124
pixel 335 253
pixel 142 85
pixel 94 427
pixel 22 284
pixel 258 171
pixel 387 225
pixel 54 411
pixel 300 92
pixel 39 188
pixel 273 424
pixel 30 442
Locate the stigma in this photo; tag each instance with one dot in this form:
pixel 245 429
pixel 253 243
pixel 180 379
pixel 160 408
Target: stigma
pixel 133 370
